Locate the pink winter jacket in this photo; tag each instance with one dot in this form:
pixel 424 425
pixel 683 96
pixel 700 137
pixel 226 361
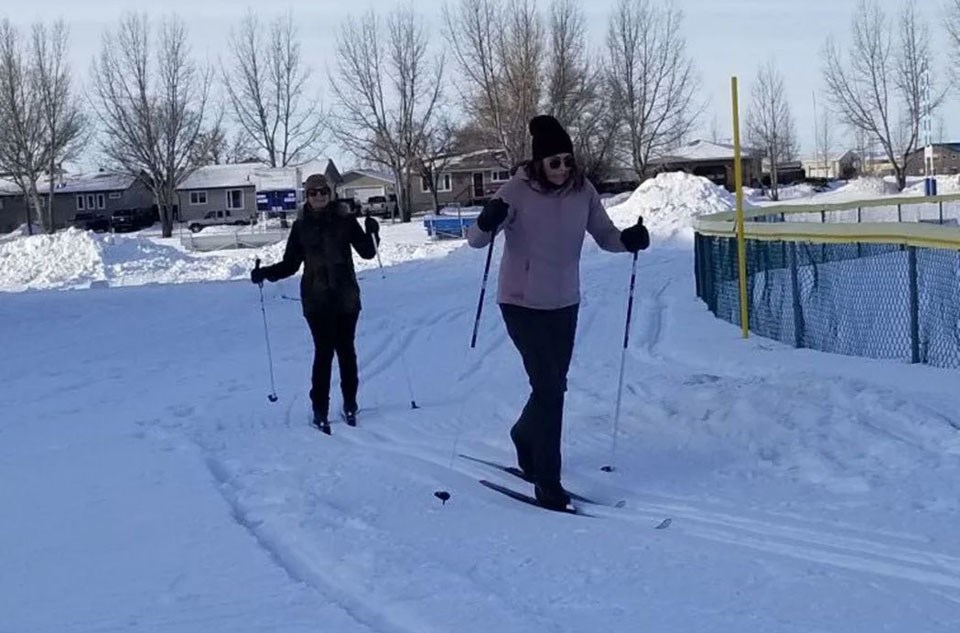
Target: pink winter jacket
pixel 544 233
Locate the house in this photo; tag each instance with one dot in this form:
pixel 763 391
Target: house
pixel 363 184
pixel 946 160
pixel 714 161
pixel 13 209
pixel 843 166
pixel 243 189
pixel 464 179
pixel 102 193
pixel 788 173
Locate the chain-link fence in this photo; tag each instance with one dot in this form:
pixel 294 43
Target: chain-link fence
pixel 886 301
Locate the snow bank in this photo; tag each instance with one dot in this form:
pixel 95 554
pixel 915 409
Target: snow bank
pixel 75 259
pixel 671 202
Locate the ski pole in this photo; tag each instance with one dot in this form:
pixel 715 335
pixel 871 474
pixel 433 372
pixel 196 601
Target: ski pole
pixel 623 358
pixel 483 290
pixel 266 332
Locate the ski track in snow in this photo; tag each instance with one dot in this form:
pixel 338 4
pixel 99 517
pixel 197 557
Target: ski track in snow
pixel 790 477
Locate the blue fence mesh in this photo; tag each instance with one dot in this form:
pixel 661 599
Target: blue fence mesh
pixel 882 301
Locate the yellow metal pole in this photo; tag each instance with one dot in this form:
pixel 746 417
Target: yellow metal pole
pixel 741 241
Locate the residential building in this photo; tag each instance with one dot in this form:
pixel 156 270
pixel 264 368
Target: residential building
pixel 363 184
pixel 243 189
pixel 946 160
pixel 464 179
pixel 714 161
pixel 842 166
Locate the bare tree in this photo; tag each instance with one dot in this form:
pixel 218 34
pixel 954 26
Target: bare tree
pixel 823 138
pixel 877 87
pixel 23 150
pixel 435 156
pixel 574 90
pixel 213 146
pixel 62 115
pixel 865 149
pixel 499 49
pixel 388 92
pixel 770 126
pixel 152 109
pixel 650 79
pixel 953 33
pixel 267 85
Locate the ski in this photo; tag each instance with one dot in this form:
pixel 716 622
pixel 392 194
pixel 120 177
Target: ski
pixel 516 472
pixel 529 500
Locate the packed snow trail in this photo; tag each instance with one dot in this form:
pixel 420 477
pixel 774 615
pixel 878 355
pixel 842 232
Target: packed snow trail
pixel 152 486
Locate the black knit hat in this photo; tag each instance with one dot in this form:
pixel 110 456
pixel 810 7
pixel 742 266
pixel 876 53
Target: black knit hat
pixel 549 137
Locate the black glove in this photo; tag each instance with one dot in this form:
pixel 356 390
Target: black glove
pixel 258 275
pixel 493 214
pixel 636 238
pixel 372 227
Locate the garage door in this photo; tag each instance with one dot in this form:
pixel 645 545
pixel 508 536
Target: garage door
pixel 363 193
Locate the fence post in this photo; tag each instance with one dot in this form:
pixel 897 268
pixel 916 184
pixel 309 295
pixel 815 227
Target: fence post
pixel 914 305
pixel 899 213
pixel 795 291
pixel 823 217
pixel 941 212
pixel 859 215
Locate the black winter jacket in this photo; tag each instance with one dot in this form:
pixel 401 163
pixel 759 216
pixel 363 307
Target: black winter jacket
pixel 321 241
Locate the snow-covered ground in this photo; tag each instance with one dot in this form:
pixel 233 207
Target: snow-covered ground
pixel 149 485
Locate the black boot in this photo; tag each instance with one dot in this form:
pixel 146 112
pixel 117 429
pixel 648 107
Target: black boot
pixel 321 422
pixel 350 413
pixel 524 457
pixel 552 496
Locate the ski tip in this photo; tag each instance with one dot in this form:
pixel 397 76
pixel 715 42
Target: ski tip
pixel 664 524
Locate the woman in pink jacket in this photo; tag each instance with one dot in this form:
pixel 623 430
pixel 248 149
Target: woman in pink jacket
pixel 544 211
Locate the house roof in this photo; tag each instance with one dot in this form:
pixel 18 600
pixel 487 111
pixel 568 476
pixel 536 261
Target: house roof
pixel 8 188
pixel 370 173
pixel 101 181
pixel 480 159
pixel 701 151
pixel 222 176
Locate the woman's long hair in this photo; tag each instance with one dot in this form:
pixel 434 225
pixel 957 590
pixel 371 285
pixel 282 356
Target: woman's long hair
pixel 536 173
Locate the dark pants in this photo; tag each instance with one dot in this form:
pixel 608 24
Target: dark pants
pixel 544 339
pixel 333 333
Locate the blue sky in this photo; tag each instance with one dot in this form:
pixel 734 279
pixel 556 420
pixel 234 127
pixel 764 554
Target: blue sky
pixel 725 38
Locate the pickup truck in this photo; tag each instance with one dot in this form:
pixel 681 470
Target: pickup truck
pixel 218 218
pixel 380 205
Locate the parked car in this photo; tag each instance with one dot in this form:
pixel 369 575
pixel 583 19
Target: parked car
pixel 131 219
pixel 86 221
pixel 219 218
pixel 380 205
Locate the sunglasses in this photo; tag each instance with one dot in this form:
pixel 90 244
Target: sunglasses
pixel 566 161
pixel 322 191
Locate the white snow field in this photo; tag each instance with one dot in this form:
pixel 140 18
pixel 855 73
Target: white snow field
pixel 149 485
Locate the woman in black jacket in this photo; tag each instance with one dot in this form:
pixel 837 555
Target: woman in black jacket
pixel 321 239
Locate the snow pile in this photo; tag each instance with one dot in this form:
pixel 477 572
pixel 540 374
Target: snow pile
pixel 68 259
pixel 868 188
pixel 74 259
pixel 671 202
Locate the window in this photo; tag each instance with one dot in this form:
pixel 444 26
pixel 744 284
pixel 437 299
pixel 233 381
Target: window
pixel 234 198
pixel 499 176
pixel 80 205
pixel 444 184
pixel 115 196
pixel 101 201
pixel 198 197
pixel 91 201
